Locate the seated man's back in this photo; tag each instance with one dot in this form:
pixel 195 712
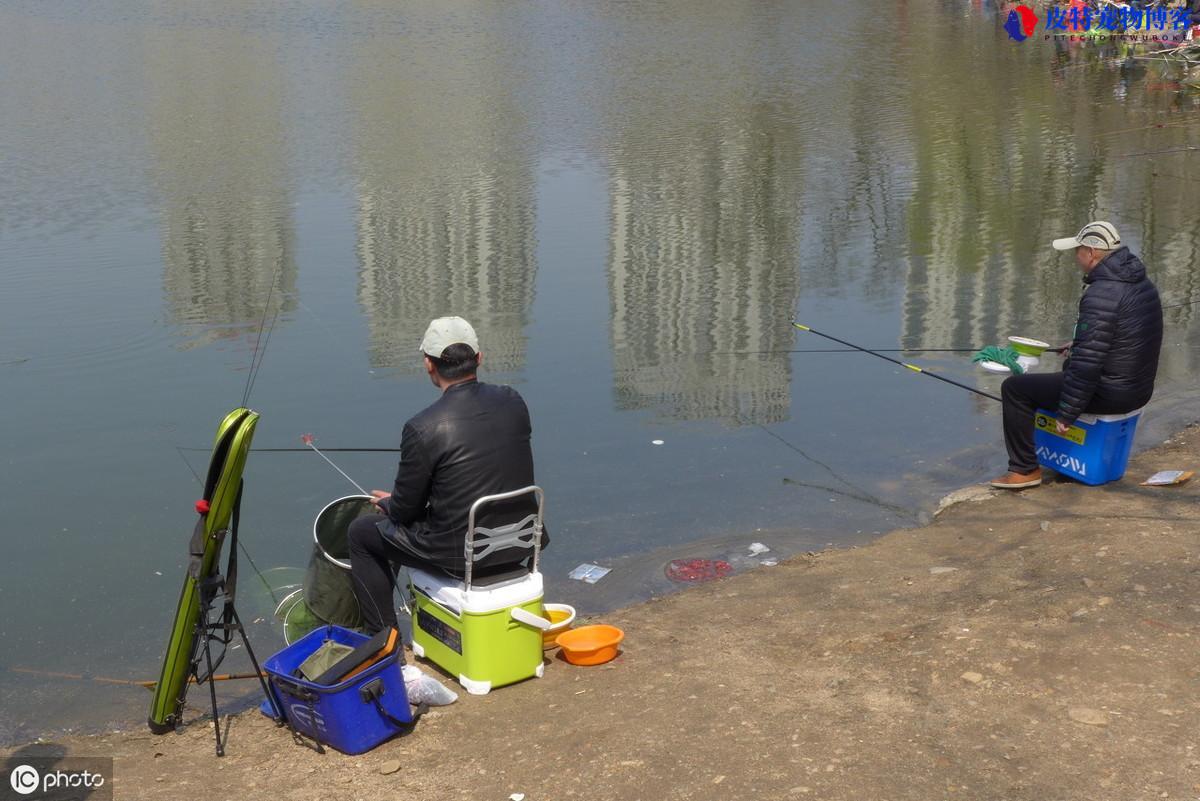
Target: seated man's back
pixel 473 441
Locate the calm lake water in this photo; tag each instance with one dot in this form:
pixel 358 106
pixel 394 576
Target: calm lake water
pixel 629 200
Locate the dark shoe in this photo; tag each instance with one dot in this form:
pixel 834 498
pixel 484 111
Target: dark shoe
pixel 1016 481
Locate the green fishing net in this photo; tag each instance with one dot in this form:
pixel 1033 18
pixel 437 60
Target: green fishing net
pixel 1005 356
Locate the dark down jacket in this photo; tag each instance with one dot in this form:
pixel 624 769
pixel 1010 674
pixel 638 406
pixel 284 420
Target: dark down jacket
pixel 1117 338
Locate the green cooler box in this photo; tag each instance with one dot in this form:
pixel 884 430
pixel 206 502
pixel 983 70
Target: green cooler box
pixel 487 636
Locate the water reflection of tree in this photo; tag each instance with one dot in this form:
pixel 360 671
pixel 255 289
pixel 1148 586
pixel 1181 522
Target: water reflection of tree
pixel 1004 163
pixel 1023 153
pixel 215 120
pixel 445 195
pixel 1159 194
pixel 855 203
pixel 702 263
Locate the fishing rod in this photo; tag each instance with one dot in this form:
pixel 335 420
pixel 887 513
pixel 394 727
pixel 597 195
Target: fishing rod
pixel 849 350
pixel 856 349
pixel 189 643
pixel 307 439
pixel 305 450
pixel 906 365
pixel 149 684
pixel 326 450
pixel 876 351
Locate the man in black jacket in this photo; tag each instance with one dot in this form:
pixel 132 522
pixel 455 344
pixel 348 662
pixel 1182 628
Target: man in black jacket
pixel 1111 362
pixel 473 441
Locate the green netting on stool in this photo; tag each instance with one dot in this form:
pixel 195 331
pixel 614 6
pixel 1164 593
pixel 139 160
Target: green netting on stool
pixel 1005 356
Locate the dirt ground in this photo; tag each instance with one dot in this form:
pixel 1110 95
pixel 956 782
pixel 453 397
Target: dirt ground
pixel 1038 645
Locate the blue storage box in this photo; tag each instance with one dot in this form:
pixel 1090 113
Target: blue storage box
pixel 1095 450
pixel 353 716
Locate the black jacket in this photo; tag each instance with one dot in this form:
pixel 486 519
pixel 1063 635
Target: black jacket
pixel 1117 338
pixel 473 441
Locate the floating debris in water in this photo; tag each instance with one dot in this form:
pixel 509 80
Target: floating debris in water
pixel 656 442
pixel 589 573
pixel 697 570
pixel 757 547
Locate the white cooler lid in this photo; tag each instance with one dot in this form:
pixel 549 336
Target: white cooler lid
pixel 1091 419
pixel 480 600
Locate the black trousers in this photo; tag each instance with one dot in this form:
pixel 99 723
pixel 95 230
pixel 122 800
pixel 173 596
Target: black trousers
pixel 374 560
pixel 1024 394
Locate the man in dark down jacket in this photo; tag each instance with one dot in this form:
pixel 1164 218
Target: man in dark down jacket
pixel 1112 360
pixel 473 441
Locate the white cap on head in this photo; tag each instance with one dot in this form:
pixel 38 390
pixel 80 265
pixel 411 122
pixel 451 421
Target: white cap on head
pixel 446 331
pixel 1099 235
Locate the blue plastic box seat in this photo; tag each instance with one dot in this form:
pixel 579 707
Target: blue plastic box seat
pixel 353 716
pixel 1095 450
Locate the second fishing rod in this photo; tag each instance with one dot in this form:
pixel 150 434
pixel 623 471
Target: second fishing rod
pixel 851 348
pixel 905 365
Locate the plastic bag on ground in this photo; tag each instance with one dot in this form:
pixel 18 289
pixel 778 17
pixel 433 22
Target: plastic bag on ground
pixel 423 689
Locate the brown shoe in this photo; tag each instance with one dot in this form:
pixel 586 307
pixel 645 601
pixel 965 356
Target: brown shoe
pixel 1016 481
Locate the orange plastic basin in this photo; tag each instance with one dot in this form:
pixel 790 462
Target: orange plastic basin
pixel 590 645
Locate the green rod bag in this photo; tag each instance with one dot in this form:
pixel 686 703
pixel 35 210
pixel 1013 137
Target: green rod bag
pixel 221 490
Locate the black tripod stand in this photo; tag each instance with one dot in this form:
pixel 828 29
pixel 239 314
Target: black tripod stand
pixel 221 632
pixel 215 589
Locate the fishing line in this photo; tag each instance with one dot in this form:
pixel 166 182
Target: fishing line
pixel 340 339
pixel 1176 177
pixel 1184 149
pixel 912 367
pixel 859 494
pixel 195 475
pixel 254 370
pixel 257 355
pixel 870 500
pixel 1149 127
pixel 307 439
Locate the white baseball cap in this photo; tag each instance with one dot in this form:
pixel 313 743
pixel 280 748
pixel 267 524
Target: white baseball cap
pixel 446 331
pixel 1099 235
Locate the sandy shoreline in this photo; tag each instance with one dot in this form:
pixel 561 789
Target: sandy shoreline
pixel 1031 646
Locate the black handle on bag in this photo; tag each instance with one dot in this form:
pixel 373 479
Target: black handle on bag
pixel 371 692
pixel 295 690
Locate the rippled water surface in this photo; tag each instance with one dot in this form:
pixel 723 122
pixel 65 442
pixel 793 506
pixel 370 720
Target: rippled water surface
pixel 629 200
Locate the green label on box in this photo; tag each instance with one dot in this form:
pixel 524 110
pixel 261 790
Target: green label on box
pixel 1044 422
